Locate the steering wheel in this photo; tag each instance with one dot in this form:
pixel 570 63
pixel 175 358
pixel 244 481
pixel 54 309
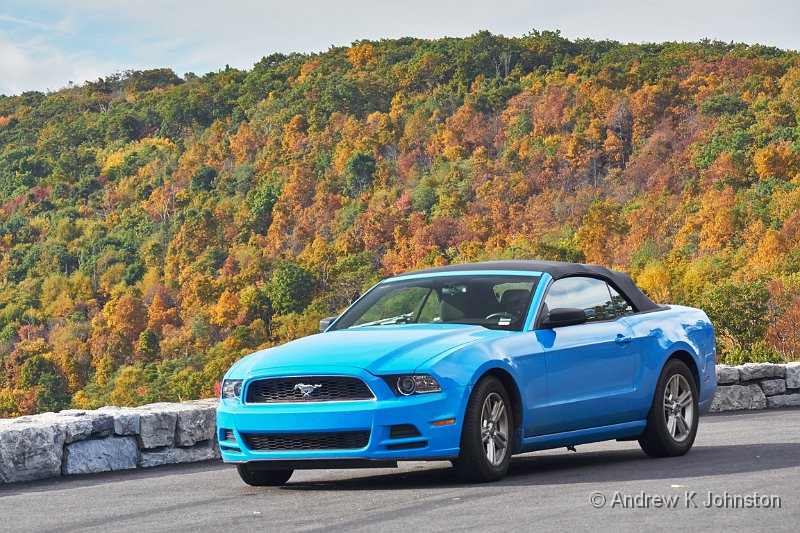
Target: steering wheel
pixel 501 314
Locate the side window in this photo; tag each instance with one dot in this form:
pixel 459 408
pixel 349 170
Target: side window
pixel 621 305
pixel 588 294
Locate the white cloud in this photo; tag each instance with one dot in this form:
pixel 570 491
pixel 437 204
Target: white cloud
pixel 65 25
pixel 42 67
pixel 84 39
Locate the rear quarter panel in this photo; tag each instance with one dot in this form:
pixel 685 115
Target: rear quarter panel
pixel 658 336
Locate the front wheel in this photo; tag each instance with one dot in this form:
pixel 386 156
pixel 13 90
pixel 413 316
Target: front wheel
pixel 672 422
pixel 486 435
pixel 263 478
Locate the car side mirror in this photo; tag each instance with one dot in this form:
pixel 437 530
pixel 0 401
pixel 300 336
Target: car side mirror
pixel 564 316
pixel 325 322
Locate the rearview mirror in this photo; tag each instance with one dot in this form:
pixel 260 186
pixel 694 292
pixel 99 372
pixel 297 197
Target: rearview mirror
pixel 325 322
pixel 564 316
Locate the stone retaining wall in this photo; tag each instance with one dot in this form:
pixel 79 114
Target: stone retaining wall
pixel 757 386
pixel 114 438
pixel 111 438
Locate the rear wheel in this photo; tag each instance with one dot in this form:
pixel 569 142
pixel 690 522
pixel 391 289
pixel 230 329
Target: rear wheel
pixel 672 422
pixel 486 435
pixel 263 478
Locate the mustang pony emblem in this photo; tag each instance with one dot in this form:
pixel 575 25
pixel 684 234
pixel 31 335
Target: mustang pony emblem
pixel 306 389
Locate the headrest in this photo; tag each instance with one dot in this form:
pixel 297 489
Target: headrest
pixel 514 297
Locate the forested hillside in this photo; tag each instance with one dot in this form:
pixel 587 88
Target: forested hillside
pixel 155 228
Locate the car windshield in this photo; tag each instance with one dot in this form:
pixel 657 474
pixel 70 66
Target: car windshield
pixel 492 301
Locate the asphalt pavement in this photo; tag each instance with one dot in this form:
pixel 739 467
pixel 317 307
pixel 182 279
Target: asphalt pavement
pixel 748 462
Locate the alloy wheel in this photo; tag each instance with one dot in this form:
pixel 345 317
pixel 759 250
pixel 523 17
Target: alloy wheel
pixel 494 428
pixel 678 408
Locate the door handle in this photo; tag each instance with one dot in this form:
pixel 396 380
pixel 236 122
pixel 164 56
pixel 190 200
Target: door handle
pixel 622 339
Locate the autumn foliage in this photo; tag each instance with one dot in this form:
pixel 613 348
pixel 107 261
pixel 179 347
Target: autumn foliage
pixel 154 229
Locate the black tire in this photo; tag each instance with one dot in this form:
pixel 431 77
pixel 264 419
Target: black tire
pixel 473 464
pixel 263 478
pixel 657 440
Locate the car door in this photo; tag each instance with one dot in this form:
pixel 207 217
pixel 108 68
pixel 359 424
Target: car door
pixel 590 367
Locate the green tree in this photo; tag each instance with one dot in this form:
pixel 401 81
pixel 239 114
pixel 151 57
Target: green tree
pixel 256 303
pixel 260 203
pixel 359 173
pixel 128 389
pixel 43 375
pixel 147 347
pixel 203 179
pixel 738 311
pixel 291 288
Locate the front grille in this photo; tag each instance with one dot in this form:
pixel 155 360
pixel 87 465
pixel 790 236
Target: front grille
pixel 317 389
pixel 346 440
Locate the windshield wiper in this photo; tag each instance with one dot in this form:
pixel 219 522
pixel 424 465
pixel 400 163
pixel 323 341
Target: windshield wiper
pixel 399 319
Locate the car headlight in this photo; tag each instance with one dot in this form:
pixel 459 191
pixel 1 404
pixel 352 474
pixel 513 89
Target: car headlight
pixel 231 388
pixel 408 384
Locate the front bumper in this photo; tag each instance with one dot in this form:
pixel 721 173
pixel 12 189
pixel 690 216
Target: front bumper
pixel 235 420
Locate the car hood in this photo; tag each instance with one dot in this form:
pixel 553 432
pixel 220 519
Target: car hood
pixel 377 349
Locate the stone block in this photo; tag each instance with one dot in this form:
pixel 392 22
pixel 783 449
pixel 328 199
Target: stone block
pixel 727 374
pixel 793 376
pixel 195 423
pixel 100 455
pixel 785 400
pixel 771 387
pixel 156 425
pixel 31 449
pixel 751 371
pixel 126 420
pixel 203 451
pixel 732 397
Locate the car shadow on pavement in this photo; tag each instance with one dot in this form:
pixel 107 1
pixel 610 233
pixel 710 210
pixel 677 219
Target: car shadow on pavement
pixel 588 467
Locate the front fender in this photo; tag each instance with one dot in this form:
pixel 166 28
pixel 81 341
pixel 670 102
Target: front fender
pixel 520 359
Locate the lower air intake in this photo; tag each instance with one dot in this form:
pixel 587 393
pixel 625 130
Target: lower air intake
pixel 343 440
pixel 403 431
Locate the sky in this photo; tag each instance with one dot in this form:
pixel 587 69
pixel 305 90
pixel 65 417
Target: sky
pixel 46 44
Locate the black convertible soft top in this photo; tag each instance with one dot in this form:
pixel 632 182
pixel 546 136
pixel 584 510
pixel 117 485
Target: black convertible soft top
pixel 619 280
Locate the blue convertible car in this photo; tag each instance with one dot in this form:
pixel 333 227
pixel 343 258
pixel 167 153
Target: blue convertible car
pixel 473 363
